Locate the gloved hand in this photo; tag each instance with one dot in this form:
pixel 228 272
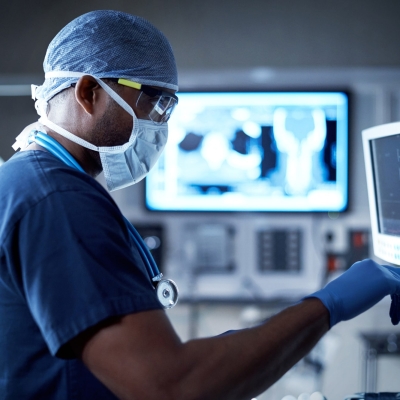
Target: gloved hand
pixel 363 285
pixel 395 309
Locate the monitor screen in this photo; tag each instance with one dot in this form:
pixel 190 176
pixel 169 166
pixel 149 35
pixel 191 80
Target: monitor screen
pixel 254 151
pixel 385 153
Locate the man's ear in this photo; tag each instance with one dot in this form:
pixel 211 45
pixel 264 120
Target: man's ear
pixel 87 93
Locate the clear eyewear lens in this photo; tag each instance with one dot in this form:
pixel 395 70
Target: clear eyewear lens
pixel 159 110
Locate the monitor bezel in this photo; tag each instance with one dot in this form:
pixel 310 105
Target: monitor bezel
pixel 323 90
pixel 382 243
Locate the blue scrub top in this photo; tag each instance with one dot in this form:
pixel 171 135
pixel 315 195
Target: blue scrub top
pixel 66 263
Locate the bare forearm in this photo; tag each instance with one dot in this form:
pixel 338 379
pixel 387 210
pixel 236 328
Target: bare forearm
pixel 247 362
pixel 140 356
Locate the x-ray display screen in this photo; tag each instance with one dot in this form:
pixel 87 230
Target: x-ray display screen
pixel 386 170
pixel 254 151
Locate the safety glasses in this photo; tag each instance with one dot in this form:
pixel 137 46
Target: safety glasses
pixel 157 104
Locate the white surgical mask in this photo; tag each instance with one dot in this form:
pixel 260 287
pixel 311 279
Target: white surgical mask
pixel 122 165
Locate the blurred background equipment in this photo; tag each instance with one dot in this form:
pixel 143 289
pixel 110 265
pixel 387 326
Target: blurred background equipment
pixel 374 396
pixel 377 345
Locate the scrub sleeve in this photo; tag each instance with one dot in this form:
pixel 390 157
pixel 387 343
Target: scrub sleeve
pixel 78 266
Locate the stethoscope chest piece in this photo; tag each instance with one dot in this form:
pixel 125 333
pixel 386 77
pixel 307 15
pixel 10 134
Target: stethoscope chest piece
pixel 167 293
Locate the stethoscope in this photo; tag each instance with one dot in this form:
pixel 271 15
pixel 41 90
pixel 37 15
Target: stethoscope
pixel 167 290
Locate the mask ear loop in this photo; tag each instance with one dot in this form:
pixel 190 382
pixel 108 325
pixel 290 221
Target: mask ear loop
pixel 111 92
pixel 120 101
pixel 39 104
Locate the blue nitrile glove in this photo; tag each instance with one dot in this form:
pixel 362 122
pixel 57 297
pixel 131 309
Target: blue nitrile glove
pixel 363 285
pixel 395 309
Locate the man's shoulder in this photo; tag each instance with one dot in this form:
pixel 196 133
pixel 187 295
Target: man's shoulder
pixel 33 177
pixel 39 173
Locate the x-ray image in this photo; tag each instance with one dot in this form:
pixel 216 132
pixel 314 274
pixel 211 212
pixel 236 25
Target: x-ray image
pixel 254 152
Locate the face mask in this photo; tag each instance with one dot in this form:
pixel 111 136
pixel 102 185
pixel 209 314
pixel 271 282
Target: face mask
pixel 122 165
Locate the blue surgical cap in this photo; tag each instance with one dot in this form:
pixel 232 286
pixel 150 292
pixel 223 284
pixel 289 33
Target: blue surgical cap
pixel 109 44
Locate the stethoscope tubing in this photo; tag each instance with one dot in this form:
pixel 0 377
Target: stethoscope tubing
pixel 57 150
pixel 151 266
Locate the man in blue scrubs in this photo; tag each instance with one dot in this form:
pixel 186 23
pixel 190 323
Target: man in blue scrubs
pixel 79 317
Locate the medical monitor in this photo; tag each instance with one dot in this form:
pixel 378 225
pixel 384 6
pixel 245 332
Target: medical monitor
pixel 254 151
pixel 382 163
